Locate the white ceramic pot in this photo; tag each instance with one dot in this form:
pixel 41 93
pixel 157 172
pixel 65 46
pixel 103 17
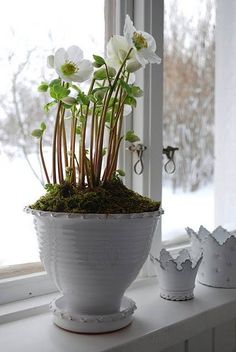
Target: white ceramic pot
pixel 93 258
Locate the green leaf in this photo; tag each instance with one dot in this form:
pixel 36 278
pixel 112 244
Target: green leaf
pixel 108 116
pixel 99 60
pixel 120 172
pixel 98 109
pixel 91 98
pixel 130 101
pixel 55 82
pixel 104 150
pixel 127 88
pixel 59 92
pixel 43 87
pixel 112 102
pixel 82 119
pixel 75 88
pixel 82 99
pixel 100 93
pixel 78 130
pixel 100 88
pixel 111 72
pixel 48 106
pixel 66 106
pixel 136 91
pixel 131 137
pixel 69 101
pixel 100 74
pixel 43 126
pixel 96 65
pixel 37 133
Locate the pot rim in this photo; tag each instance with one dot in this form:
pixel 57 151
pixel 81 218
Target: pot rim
pixel 51 214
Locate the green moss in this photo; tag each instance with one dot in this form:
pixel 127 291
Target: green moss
pixel 112 198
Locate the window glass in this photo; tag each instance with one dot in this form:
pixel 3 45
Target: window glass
pixel 189 59
pixel 29 32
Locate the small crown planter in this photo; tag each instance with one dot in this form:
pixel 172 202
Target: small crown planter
pixel 92 259
pixel 177 276
pixel 218 268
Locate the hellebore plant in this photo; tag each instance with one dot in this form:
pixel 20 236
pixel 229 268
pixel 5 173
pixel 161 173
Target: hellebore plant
pixel 85 157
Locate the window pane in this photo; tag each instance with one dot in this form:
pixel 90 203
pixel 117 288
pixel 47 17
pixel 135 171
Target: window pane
pixel 189 56
pixel 28 34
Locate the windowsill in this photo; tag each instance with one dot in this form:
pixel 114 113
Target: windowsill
pixel 158 324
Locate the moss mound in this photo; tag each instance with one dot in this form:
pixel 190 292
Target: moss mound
pixel 113 198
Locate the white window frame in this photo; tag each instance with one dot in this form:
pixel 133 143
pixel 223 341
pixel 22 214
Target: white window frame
pixel 148 15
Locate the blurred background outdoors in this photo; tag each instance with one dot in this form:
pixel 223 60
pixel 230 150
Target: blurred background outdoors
pixel 188 109
pixel 188 122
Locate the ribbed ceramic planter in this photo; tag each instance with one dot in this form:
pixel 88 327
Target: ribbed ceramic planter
pixel 177 275
pixel 93 258
pixel 218 268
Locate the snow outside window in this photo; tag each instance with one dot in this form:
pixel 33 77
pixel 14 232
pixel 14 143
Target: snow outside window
pixel 188 116
pixel 28 34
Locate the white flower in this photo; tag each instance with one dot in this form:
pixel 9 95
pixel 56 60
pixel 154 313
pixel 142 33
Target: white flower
pixel 143 44
pixel 70 65
pixel 117 50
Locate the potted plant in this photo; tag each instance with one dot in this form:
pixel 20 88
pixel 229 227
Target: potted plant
pixel 94 234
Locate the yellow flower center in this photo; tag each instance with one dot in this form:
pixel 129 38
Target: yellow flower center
pixel 69 68
pixel 139 41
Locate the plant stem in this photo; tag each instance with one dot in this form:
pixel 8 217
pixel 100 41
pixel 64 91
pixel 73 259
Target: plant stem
pixel 92 144
pixel 77 163
pixel 72 147
pixel 54 175
pixel 42 160
pixel 59 154
pixel 83 169
pixel 115 135
pixel 114 161
pixel 111 133
pixel 88 174
pixel 64 139
pixel 108 78
pixel 103 120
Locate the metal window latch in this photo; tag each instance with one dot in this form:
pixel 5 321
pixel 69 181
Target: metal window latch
pixel 139 149
pixel 170 166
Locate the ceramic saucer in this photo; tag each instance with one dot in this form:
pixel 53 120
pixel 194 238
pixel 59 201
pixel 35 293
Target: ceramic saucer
pixel 92 324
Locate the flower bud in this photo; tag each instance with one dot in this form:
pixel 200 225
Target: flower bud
pixel 133 66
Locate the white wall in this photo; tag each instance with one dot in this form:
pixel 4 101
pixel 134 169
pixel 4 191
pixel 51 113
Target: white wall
pixel 225 114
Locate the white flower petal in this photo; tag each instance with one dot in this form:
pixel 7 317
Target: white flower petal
pixel 117 49
pixel 122 54
pixel 116 43
pixel 150 40
pixel 60 57
pixel 131 78
pixel 129 30
pixel 140 58
pixel 144 54
pixel 50 61
pixel 75 54
pixel 85 71
pixel 149 56
pixel 63 77
pixel 113 62
pixel 127 110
